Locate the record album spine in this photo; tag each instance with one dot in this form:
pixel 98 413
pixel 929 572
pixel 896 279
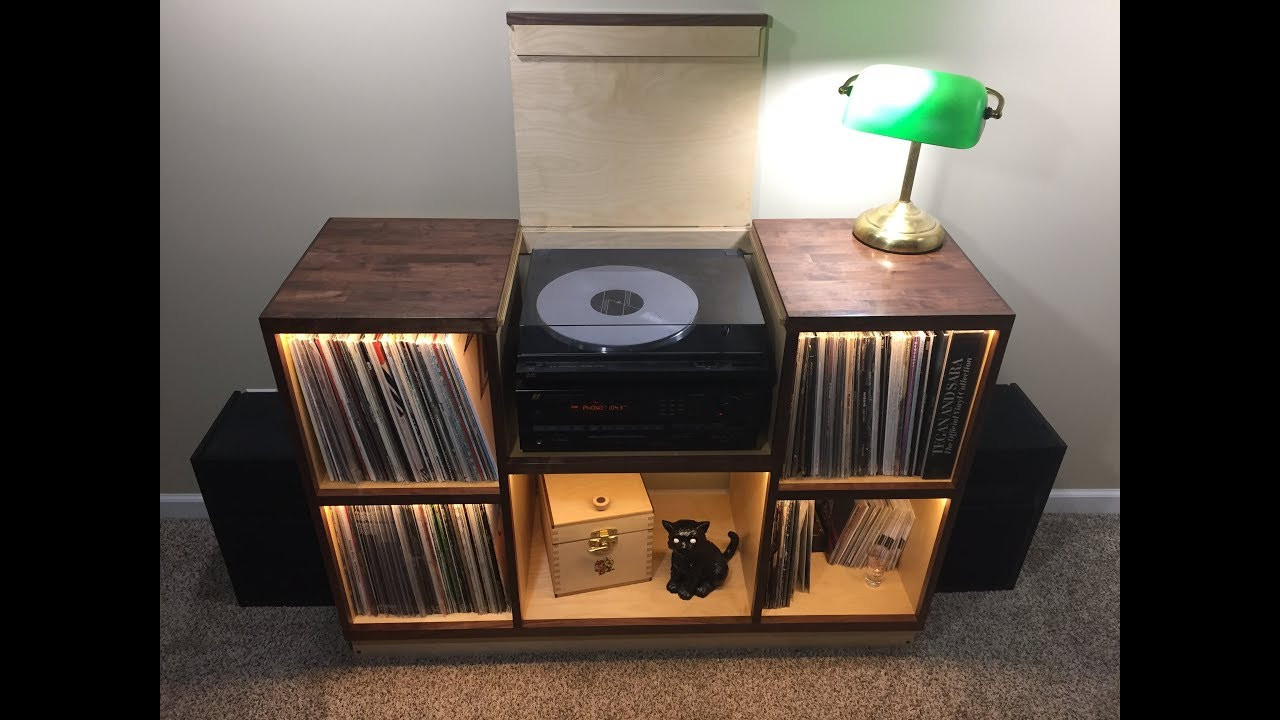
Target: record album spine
pixel 955 396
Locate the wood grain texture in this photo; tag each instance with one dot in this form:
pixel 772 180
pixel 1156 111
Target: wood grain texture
pixel 619 142
pixel 619 41
pixel 634 19
pixel 407 494
pixel 525 518
pixel 830 281
pixel 396 274
pixel 747 493
pixel 919 555
pixel 453 647
pixel 887 485
pixel 871 632
pixel 505 548
pixel 643 462
pixel 635 238
pixel 573 517
pixel 454 621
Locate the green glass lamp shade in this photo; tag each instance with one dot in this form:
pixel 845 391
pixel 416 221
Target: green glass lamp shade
pixel 925 106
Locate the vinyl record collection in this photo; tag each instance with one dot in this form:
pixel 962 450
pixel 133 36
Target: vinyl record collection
pixel 420 559
pixel 882 403
pixel 792 546
pixel 392 407
pixel 854 528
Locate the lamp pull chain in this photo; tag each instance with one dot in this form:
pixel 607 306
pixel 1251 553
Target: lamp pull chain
pixel 909 178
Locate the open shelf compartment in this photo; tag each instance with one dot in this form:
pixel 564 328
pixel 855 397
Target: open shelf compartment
pixel 730 501
pixel 924 413
pixel 334 529
pixel 839 594
pixel 467 351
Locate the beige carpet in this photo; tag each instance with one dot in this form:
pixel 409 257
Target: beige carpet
pixel 1048 649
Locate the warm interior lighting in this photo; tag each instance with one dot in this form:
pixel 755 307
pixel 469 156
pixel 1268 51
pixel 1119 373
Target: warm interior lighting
pixel 419 338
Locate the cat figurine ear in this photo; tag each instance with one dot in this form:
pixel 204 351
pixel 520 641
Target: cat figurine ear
pixel 670 528
pixel 703 527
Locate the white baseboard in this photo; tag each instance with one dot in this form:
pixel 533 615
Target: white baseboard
pixel 183 506
pixel 1099 500
pixel 191 505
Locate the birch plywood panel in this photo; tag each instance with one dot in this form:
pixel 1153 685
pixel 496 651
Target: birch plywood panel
pixel 635 41
pixel 747 495
pixel 637 141
pixel 918 554
pixel 647 603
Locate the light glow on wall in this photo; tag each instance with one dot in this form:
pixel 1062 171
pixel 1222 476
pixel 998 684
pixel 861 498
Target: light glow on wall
pixel 809 159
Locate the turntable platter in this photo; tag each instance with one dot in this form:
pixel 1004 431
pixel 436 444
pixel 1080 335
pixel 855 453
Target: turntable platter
pixel 617 306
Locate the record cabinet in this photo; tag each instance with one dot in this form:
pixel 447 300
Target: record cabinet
pixel 633 131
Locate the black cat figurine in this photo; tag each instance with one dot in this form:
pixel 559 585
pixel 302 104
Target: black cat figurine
pixel 697 566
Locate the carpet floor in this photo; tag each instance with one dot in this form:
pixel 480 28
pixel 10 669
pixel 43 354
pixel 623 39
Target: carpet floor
pixel 1048 649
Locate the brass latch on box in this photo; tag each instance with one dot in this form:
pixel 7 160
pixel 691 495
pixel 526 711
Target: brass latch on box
pixel 602 540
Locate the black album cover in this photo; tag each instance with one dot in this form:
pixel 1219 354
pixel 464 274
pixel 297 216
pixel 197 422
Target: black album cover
pixel 955 397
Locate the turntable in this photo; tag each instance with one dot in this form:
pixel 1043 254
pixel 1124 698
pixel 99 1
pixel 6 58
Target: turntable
pixel 624 349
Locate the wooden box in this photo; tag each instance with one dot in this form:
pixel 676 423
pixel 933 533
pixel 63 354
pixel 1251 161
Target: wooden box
pixel 599 531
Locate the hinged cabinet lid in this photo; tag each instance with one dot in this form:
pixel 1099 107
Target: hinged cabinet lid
pixel 571 504
pixel 636 125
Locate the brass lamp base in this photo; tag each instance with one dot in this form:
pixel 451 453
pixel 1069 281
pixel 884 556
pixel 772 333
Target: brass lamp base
pixel 899 227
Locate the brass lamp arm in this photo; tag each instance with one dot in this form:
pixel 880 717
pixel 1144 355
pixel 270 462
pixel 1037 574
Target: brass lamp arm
pixel 847 87
pixel 999 111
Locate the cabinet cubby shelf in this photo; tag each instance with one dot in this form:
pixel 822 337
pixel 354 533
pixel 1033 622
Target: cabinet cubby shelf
pixel 870 486
pixel 395 493
pixel 653 461
pixel 840 592
pixel 814 277
pixel 408 498
pixel 646 603
pixel 392 623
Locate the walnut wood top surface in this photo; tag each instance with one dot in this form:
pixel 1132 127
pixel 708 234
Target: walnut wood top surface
pixel 823 272
pixel 665 19
pixel 397 274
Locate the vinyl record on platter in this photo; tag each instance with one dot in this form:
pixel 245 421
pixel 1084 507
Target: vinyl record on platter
pixel 617 307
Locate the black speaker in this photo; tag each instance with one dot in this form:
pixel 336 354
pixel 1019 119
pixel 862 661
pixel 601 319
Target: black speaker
pixel 247 470
pixel 1014 466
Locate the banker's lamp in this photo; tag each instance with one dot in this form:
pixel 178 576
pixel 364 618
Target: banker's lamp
pixel 923 106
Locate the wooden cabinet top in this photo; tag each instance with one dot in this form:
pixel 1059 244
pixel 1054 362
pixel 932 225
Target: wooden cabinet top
pixel 444 274
pixel 397 274
pixel 830 281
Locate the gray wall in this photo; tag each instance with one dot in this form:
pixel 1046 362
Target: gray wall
pixel 277 114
